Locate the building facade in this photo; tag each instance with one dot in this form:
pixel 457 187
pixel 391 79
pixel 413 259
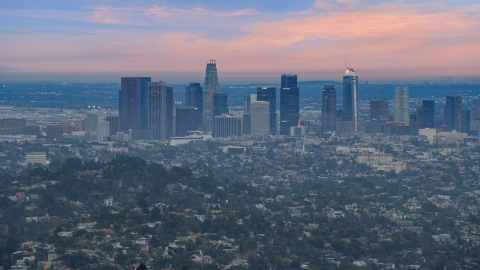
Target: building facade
pixel 329 108
pixel 133 105
pixel 260 117
pixel 194 97
pixel 379 109
pixel 186 120
pixel 211 87
pixel 269 94
pixel 401 110
pixel 227 125
pixel 289 103
pixel 453 113
pixel 160 106
pixel 350 97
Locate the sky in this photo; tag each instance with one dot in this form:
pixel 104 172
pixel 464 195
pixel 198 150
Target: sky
pixel 105 39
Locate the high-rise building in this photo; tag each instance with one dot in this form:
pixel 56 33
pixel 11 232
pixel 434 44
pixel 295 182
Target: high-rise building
pixel 114 124
pixel 220 104
pixel 186 120
pixel 269 94
pixel 288 80
pixel 103 128
pixel 227 125
pixel 260 112
pixel 12 126
pixel 54 133
pixel 211 87
pixel 350 97
pixel 289 103
pixel 247 99
pixel 379 109
pixel 466 115
pixel 329 108
pixel 91 122
pixel 401 110
pixel 160 106
pixel 428 114
pixel 453 113
pixel 246 123
pixel 133 105
pixel 194 97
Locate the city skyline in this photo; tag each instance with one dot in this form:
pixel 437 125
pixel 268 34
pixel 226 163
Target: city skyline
pixel 391 39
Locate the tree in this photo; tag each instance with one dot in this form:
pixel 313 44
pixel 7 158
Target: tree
pixel 142 266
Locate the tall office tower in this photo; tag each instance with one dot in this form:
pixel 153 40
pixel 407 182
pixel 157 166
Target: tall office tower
pixel 91 122
pixel 211 87
pixel 186 120
pixel 12 126
pixel 227 125
pixel 453 113
pixel 247 99
pixel 378 109
pixel 160 103
pixel 329 108
pixel 401 111
pixel 133 105
pixel 194 97
pixel 260 112
pixel 465 127
pixel 288 80
pixel 114 124
pixel 54 133
pixel 170 107
pixel 246 123
pixel 269 94
pixel 350 98
pixel 428 114
pixel 220 104
pixel 289 103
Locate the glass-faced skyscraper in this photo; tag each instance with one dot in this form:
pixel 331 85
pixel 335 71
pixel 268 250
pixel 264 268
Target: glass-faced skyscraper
pixel 428 114
pixel 211 87
pixel 289 103
pixel 453 113
pixel 269 94
pixel 329 108
pixel 350 98
pixel 194 97
pixel 133 103
pixel 160 108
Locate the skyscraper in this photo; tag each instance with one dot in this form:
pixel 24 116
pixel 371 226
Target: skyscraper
pixel 133 105
pixel 378 109
pixel 260 112
pixel 289 103
pixel 350 98
pixel 329 108
pixel 186 120
pixel 194 97
pixel 160 119
pixel 114 124
pixel 211 87
pixel 288 80
pixel 91 122
pixel 401 111
pixel 428 114
pixel 269 94
pixel 453 113
pixel 247 99
pixel 220 103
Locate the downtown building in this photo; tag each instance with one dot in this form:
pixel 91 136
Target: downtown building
pixel 186 120
pixel 133 103
pixel 260 117
pixel 329 108
pixel 194 98
pixel 268 94
pixel 453 113
pixel 211 87
pixel 227 125
pixel 401 109
pixel 349 123
pixel 379 109
pixel 160 110
pixel 289 103
pixel 426 114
